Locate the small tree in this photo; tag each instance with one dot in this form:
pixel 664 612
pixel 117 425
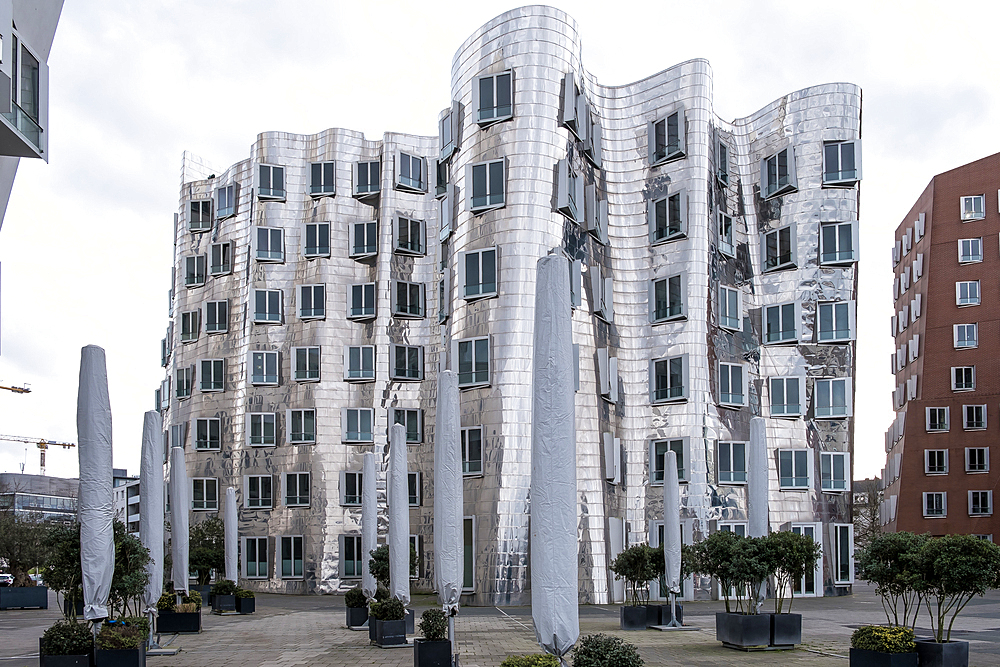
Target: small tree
pixel 21 544
pixel 379 564
pixel 636 566
pixel 954 569
pixel 61 570
pixel 207 550
pixel 891 561
pixel 791 556
pixel 689 563
pixel 717 557
pixel 130 576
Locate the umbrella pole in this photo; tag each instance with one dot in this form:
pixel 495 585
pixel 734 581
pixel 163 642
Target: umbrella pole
pixel 673 611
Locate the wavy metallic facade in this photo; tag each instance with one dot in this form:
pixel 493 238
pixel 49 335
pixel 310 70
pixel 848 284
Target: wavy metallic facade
pixel 617 420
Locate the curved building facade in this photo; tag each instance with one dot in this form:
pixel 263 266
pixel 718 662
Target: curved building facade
pixel 713 280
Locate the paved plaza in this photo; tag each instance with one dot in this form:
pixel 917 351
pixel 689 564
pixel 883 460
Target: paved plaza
pixel 309 630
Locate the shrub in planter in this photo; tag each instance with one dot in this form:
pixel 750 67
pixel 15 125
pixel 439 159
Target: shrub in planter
pixel 603 650
pixel 223 596
pixel 175 618
pixel 357 607
pixel 434 625
pixel 532 660
pixel 120 644
pixel 66 643
pixel 246 601
pixel 225 587
pixel 891 562
pixel 881 646
pixel 791 556
pixel 635 565
pixel 434 648
pixel 390 626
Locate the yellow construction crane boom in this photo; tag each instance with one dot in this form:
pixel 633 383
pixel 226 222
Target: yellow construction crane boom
pixel 42 445
pixel 18 390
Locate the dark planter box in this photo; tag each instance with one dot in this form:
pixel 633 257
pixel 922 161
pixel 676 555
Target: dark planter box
pixel 633 618
pixel 372 630
pixel 786 629
pixel 390 633
pixel 864 658
pixel 431 654
pixel 78 607
pixel 742 630
pixel 356 616
pixel 128 657
pixel 945 654
pixel 222 603
pixel 172 623
pixel 652 615
pixel 665 614
pixel 246 605
pixel 24 597
pixel 409 621
pixel 61 660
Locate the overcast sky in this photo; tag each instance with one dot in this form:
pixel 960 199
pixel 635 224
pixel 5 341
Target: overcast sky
pixel 86 244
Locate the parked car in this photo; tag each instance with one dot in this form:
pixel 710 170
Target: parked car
pixel 6 579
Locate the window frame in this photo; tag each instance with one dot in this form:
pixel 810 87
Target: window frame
pixel 301 553
pixel 195 271
pixel 368 310
pixel 966 370
pixel 198 220
pixel 184 382
pixel 368 189
pixel 370 247
pixel 318 250
pixel 467 460
pixel 363 374
pixel 451 119
pixel 839 310
pixel 412 223
pixel 682 307
pixel 654 154
pixel 248 492
pixel 570 191
pixel 956 337
pixel 848 398
pixel 971 258
pixel 268 358
pixel 345 419
pixel 275 173
pixel 971 215
pixel 655 238
pixel 727 243
pixel 495 116
pixel 356 562
pixel 936 461
pixel 245 556
pixel 463 273
pixel 968 299
pixel 929 422
pixel 414 483
pixel 327 185
pixel 225 201
pixel 301 414
pixel 800 392
pixel 657 462
pixel 269 317
pixel 214 367
pixel 725 368
pixel 683 394
pixel 307 372
pixel 226 252
pixel 837 257
pixel 725 318
pixel 263 418
pixel 348 478
pixel 207 505
pixel 791 251
pixel 190 326
pixel 935 513
pixel 976 425
pixel 778 188
pixel 841 177
pixel 476 380
pixel 978 468
pixel 782 315
pixel 287 499
pixel 722 162
pixel 212 444
pixel 828 480
pixel 414 414
pixel 409 374
pixel 408 183
pixel 795 483
pixel 409 311
pixel 730 458
pixel 312 290
pixel 988 511
pixel 493 200
pixel 267 255
pixel 840 532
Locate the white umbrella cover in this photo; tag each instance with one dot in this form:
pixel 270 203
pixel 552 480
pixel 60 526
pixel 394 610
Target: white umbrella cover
pixel 369 525
pixel 97 512
pixel 757 479
pixel 179 536
pixel 399 517
pixel 671 522
pixel 151 506
pixel 231 530
pixel 449 541
pixel 554 569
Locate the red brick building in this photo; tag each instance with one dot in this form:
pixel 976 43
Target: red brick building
pixel 946 327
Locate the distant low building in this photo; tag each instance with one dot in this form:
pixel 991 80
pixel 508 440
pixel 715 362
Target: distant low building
pixel 126 500
pixel 47 498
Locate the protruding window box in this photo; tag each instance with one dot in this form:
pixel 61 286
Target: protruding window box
pixel 24 116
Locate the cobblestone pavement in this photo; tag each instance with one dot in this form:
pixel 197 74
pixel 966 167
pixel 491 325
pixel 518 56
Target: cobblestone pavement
pixel 307 630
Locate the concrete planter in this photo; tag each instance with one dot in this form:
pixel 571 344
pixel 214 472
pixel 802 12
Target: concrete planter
pixel 24 597
pixel 742 630
pixel 863 658
pixel 428 653
pixel 409 621
pixel 665 614
pixel 356 616
pixel 221 603
pixel 372 629
pixel 128 657
pixel 652 615
pixel 633 618
pixel 786 629
pixel 945 654
pixel 188 623
pixel 246 605
pixel 390 633
pixel 61 660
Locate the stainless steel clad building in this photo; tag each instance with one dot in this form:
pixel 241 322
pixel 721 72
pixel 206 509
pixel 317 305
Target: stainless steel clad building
pixel 320 284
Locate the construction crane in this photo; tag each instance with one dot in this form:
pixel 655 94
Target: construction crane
pixel 18 390
pixel 42 445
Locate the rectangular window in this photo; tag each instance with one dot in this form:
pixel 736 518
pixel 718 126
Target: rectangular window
pixel 204 493
pixel 472 451
pixel 835 471
pixel 478 273
pixel 963 378
pixel 185 380
pixel 364 239
pixel 493 97
pixel 194 270
pixel 200 215
pixel 267 306
pixel 258 492
pixel 833 398
pixel 602 294
pixel 937 419
pixel 657 456
pixel 317 238
pixel 444 302
pixel 264 368
pixel 412 420
pixel 270 246
pixel 730 308
pixel 359 362
pixel 732 384
pixel 448 132
pixel 966 335
pixel 312 302
pixel 841 162
pixel 726 245
pixel 779 249
pixel 787 396
pixel 973 208
pixel 362 302
pixel 668 379
pixel 722 170
pixel 301 427
pixel 208 434
pixel 469 554
pixel 843 553
pixel 665 138
pixel 838 243
pixel 970 251
pixel 351 556
pixel 668 217
pixel 935 503
pixel 297 489
pixel 323 178
pixel 409 236
pixel 367 178
pixel 306 360
pixel 190 326
pixel 980 503
pixel 357 424
pixel 262 431
pixel 489 185
pixel 407 299
pixel 669 299
pixel 408 362
pixel 291 557
pixel 255 557
pixel 967 293
pixel 414 490
pixel 270 182
pixel 794 468
pixel 569 191
pixel 351 488
pixel 225 201
pixel 474 362
pixel 445 211
pixel 411 173
pixel 974 417
pixel 213 374
pixel 936 461
pixel 222 259
pixel 977 459
pixel 780 323
pixel 836 321
pixel 777 173
pixel 732 462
